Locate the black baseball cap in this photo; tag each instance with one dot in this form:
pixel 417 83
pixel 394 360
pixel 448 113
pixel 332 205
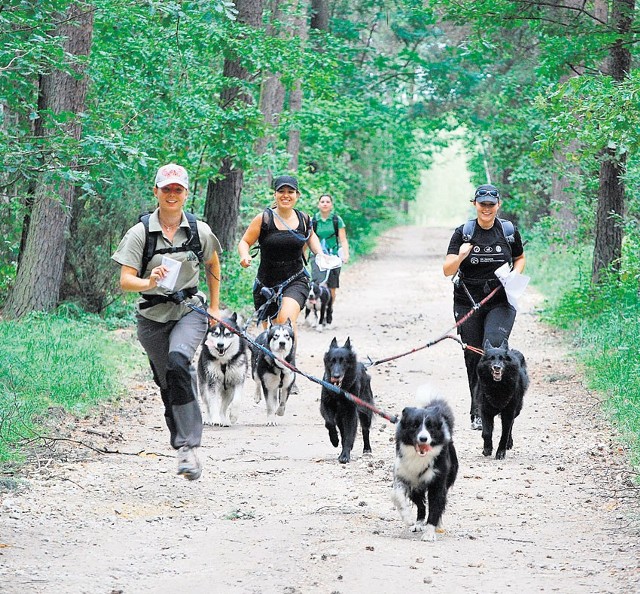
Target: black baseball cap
pixel 285 180
pixel 487 193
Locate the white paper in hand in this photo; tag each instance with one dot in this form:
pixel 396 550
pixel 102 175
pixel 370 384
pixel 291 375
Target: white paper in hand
pixel 513 282
pixel 169 281
pixel 327 262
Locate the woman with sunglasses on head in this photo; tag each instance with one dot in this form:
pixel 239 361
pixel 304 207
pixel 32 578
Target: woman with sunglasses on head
pixel 476 250
pixel 169 331
pixel 282 231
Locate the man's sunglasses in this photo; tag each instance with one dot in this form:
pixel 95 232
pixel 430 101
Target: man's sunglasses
pixel 483 192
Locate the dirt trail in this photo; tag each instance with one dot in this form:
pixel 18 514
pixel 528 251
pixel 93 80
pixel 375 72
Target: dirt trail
pixel 274 512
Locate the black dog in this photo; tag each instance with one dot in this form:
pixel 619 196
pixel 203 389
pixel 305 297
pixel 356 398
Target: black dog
pixel 502 382
pixel 320 304
pixel 342 369
pixel 426 465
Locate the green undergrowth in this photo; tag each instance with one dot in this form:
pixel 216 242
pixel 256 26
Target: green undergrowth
pixel 603 323
pixel 56 362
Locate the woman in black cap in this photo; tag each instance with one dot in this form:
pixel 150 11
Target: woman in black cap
pixel 282 231
pixel 476 250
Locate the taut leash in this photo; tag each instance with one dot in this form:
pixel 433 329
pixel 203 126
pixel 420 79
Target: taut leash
pixel 446 335
pixel 335 389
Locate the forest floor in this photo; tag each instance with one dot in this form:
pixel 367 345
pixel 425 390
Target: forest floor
pixel 274 511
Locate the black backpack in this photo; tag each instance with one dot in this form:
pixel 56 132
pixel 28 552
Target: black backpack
pixel 151 239
pixel 508 230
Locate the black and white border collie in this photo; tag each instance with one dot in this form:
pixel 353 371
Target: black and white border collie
pixel 426 465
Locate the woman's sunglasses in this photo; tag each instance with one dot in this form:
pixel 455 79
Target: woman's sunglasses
pixel 483 192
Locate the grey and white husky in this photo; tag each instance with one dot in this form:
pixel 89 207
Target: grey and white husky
pixel 222 369
pixel 273 379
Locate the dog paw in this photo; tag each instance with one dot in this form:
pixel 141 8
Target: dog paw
pixel 280 411
pixel 344 458
pixel 367 454
pixel 500 454
pixel 419 526
pixel 487 451
pixel 429 533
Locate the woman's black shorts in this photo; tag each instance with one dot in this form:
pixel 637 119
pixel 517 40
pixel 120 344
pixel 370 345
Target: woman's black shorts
pixel 297 289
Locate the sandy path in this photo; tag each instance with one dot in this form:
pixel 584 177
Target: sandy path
pixel 275 512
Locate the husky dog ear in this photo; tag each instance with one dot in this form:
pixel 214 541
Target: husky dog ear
pixel 234 317
pixel 505 345
pixel 347 345
pixel 487 344
pixel 334 343
pixel 288 322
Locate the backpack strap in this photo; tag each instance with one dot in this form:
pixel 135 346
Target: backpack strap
pixel 508 230
pixel 336 223
pixel 193 243
pixel 468 229
pixel 151 240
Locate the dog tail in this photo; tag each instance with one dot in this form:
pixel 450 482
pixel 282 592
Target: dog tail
pixel 425 394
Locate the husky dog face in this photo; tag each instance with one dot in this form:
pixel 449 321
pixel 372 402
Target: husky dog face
pixel 280 339
pixel 220 338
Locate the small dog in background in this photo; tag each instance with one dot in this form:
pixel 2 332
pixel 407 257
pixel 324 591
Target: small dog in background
pixel 502 382
pixel 222 369
pixel 319 306
pixel 426 465
pixel 342 369
pixel 273 379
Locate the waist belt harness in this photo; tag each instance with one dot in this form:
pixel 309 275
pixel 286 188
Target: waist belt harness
pixel 177 297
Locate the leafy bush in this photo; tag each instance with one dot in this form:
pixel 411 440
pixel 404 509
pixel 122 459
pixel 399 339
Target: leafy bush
pixel 605 321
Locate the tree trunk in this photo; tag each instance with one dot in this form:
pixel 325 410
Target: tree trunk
pixel 39 275
pixel 611 193
pixel 293 146
pixel 320 15
pixel 222 203
pixel 272 95
pixel 295 97
pixel 608 242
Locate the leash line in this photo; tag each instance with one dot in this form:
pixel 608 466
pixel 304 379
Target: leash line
pixel 335 389
pixel 446 335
